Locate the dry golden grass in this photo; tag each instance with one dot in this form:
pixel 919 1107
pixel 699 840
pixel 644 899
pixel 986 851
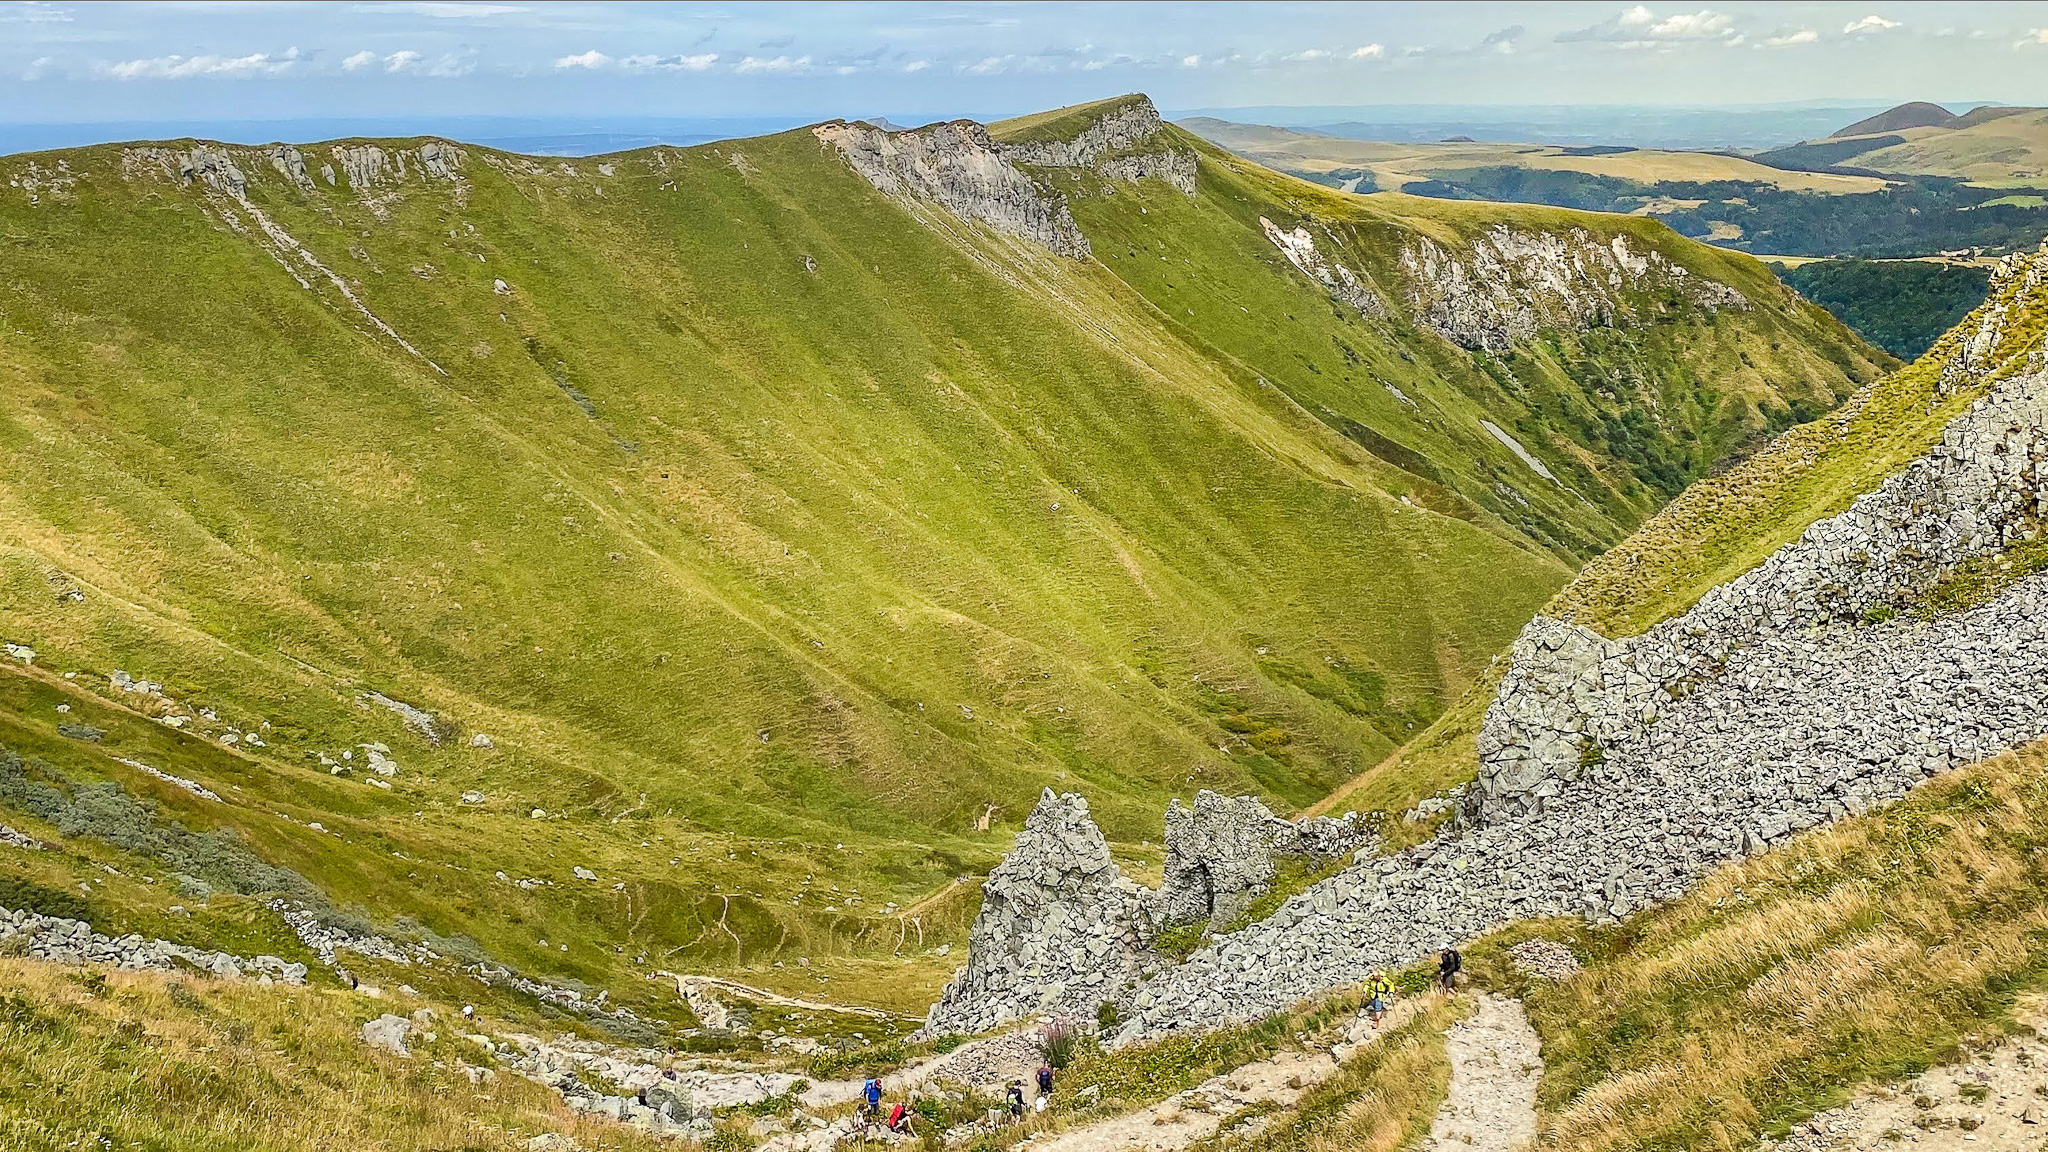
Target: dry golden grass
pixel 1863 953
pixel 1395 164
pixel 1383 1098
pixel 169 1063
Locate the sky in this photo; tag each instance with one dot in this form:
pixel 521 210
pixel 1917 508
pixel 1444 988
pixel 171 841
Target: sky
pixel 192 61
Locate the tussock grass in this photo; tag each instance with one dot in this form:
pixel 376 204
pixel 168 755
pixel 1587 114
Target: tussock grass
pixel 1381 1099
pixel 129 1059
pixel 1866 952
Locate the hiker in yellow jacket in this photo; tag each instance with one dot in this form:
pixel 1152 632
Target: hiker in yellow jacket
pixel 1378 991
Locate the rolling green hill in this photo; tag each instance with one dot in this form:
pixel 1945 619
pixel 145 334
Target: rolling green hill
pixel 759 543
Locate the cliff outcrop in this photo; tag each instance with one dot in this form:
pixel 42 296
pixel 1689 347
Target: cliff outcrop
pixel 1513 282
pixel 963 169
pixel 958 167
pixel 1616 773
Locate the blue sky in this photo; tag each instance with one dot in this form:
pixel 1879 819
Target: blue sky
pixel 199 61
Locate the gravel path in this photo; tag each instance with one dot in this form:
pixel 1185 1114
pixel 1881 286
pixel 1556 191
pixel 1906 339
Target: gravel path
pixel 1495 1064
pixel 1182 1119
pixel 1995 1100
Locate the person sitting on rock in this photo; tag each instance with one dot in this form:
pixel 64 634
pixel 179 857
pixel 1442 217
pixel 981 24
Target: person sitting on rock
pixel 899 1119
pixel 1014 1099
pixel 1448 966
pixel 1378 991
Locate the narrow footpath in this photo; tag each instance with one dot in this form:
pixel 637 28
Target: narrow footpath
pixel 1994 1100
pixel 1496 1061
pixel 1182 1119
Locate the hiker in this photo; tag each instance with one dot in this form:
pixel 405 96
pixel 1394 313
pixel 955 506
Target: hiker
pixel 1014 1099
pixel 1044 1082
pixel 899 1119
pixel 1377 991
pixel 1448 966
pixel 871 1097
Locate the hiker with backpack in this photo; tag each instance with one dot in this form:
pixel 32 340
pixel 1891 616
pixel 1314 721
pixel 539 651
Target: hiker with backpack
pixel 1448 966
pixel 1044 1084
pixel 1378 991
pixel 1014 1100
pixel 871 1098
pixel 899 1119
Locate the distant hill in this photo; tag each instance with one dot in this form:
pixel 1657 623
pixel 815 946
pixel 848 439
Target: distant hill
pixel 1917 114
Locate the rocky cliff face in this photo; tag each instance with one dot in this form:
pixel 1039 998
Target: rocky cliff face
pixel 1513 282
pixel 1299 246
pixel 958 167
pixel 1616 773
pixel 1120 145
pixel 1061 930
pixel 961 168
pixel 1570 695
pixel 1223 853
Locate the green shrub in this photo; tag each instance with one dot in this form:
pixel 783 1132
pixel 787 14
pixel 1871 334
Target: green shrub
pixel 23 894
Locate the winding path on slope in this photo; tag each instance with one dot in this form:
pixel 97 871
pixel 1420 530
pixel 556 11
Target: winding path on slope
pixel 1180 1120
pixel 1495 1063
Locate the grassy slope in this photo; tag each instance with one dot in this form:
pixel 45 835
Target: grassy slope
pixel 2008 150
pixel 1706 380
pixel 1867 952
pixel 763 579
pixel 178 1064
pixel 1727 524
pixel 1396 164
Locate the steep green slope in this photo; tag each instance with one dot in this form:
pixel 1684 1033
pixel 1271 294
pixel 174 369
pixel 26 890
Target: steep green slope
pixel 1625 415
pixel 769 534
pixel 1728 523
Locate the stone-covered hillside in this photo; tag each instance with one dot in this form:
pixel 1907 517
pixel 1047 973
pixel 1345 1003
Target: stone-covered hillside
pixel 703 557
pixel 1885 644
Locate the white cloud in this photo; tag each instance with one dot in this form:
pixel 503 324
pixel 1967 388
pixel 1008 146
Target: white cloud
pixel 643 62
pixel 775 65
pixel 1191 61
pixel 2036 36
pixel 1370 52
pixel 917 65
pixel 1803 36
pixel 1308 54
pixel 407 62
pixel 987 66
pixel 1868 24
pixel 40 67
pixel 189 67
pixel 34 12
pixel 1639 27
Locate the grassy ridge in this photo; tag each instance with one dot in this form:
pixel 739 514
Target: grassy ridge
pixel 771 534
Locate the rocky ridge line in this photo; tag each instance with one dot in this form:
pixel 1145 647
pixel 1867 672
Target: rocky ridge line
pixel 958 166
pixel 1061 930
pixel 1781 703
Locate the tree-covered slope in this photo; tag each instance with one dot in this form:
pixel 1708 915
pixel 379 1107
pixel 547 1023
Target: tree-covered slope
pixel 771 530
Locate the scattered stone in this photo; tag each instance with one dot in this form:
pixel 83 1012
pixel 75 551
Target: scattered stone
pixel 1546 959
pixel 60 940
pixel 389 1033
pixel 481 741
pixel 13 839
